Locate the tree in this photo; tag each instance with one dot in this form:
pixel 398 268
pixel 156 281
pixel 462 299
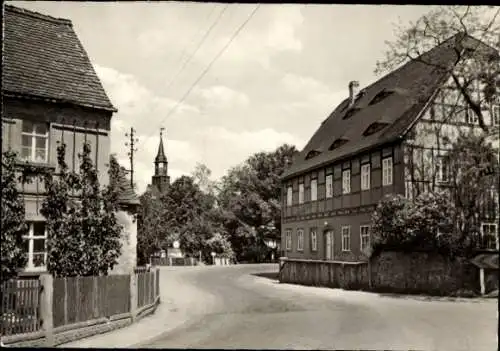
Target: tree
pixel 63 229
pixel 201 177
pixel 186 213
pixel 111 230
pixel 250 200
pixel 152 229
pixel 476 63
pixel 473 186
pixel 13 255
pixel 83 233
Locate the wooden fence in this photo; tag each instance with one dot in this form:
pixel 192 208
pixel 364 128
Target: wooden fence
pixel 20 306
pixel 80 299
pixel 148 287
pixel 174 261
pixel 50 311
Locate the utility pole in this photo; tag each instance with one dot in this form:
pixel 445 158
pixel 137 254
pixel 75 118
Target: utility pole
pixel 132 145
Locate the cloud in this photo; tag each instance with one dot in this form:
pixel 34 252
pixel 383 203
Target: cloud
pixel 133 99
pixel 272 30
pixel 237 146
pixel 220 96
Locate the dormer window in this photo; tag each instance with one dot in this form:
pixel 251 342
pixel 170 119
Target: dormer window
pixel 338 143
pixel 312 153
pixel 351 112
pixel 374 128
pixel 380 96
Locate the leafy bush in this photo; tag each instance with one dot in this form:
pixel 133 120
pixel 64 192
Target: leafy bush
pixel 423 224
pixel 13 256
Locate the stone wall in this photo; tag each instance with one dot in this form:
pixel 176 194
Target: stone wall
pixel 128 258
pixel 390 271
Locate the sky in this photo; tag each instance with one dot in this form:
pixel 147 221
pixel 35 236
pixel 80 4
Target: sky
pixel 280 77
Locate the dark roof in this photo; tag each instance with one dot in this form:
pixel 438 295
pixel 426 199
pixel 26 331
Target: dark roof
pixel 160 157
pixel 127 195
pixel 44 59
pixel 409 88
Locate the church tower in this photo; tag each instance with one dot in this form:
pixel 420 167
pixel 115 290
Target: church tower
pixel 161 180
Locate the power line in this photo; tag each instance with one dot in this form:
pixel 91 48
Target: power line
pixel 205 71
pixel 184 50
pixel 207 33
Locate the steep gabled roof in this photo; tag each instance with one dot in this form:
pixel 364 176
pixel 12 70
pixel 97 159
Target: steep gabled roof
pixel 407 89
pixel 126 195
pixel 44 59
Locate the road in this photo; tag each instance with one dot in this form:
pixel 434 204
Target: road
pixel 230 307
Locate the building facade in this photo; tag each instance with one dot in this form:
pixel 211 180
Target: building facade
pixel 51 94
pixel 385 139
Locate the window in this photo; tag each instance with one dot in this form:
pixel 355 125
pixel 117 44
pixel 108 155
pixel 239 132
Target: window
pixel 35 243
pixel 35 142
pixel 288 239
pixel 314 189
pixel 380 96
pixel 314 240
pixel 338 143
pixel 471 116
pixel 301 193
pixel 489 232
pixel 387 171
pixel 351 112
pixel 374 128
pixel 364 233
pixel 289 196
pixel 346 181
pixel 300 240
pixel 329 186
pixel 346 238
pixel 312 153
pixel 495 115
pixel 365 177
pixel 441 169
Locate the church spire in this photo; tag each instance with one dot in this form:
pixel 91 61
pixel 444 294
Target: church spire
pixel 161 180
pixel 160 157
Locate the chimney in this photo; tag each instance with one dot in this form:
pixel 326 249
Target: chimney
pixel 353 91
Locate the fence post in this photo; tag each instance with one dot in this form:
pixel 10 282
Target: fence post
pixel 46 301
pixel 133 296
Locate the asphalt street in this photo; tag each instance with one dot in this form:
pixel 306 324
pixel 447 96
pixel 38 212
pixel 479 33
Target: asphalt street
pixel 231 307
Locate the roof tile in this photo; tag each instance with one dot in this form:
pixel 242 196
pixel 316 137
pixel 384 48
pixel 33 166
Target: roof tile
pixel 413 85
pixel 43 58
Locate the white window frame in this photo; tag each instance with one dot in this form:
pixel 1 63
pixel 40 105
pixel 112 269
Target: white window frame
pixel 365 176
pixel 346 181
pixel 329 186
pixel 471 116
pixel 314 189
pixel 497 244
pixel 31 246
pixel 301 193
pixel 288 240
pixel 495 115
pixel 441 171
pixel 346 238
pixel 364 235
pixel 314 239
pixel 387 171
pixel 289 196
pixel 300 239
pixel 34 136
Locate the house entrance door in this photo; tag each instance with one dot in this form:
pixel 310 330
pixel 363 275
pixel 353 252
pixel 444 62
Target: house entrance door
pixel 329 245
